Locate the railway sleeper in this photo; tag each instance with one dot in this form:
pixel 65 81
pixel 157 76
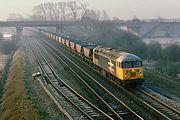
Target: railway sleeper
pixel 89 110
pixel 93 114
pixel 81 105
pixel 79 101
pixel 122 112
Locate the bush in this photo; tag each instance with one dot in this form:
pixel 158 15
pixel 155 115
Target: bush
pixel 169 68
pixel 154 51
pixel 172 53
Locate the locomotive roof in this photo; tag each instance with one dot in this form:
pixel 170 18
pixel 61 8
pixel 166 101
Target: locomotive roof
pixel 114 54
pixel 90 46
pixel 83 43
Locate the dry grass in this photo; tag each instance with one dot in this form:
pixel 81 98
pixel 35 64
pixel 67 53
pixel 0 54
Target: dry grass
pixel 16 104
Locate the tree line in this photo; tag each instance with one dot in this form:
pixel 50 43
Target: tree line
pixel 62 11
pixel 71 10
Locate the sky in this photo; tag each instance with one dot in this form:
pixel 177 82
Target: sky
pixel 124 9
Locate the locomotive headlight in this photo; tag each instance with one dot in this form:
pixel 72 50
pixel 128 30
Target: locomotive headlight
pixel 140 74
pixel 133 70
pixel 125 74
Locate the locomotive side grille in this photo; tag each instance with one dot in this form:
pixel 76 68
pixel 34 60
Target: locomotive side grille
pixel 132 74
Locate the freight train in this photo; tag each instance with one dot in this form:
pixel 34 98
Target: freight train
pixel 119 66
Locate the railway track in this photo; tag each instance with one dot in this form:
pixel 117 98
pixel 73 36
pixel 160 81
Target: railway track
pixel 161 96
pixel 116 104
pixel 149 107
pixel 121 110
pixel 160 106
pixel 45 88
pixel 106 108
pixel 161 76
pixel 86 109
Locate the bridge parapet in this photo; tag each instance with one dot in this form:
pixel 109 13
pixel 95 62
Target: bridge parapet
pixel 36 23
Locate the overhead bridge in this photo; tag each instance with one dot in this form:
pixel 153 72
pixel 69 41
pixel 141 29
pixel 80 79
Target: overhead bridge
pixel 59 25
pixel 19 25
pixel 37 23
pixel 139 28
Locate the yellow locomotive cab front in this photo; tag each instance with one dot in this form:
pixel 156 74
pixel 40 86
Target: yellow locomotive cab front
pixel 130 72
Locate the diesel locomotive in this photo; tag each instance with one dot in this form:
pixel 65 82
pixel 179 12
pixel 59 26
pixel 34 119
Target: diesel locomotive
pixel 122 67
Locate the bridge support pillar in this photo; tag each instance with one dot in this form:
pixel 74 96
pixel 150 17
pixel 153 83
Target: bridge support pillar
pixel 19 31
pixel 59 29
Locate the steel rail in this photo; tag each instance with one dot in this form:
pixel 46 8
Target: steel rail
pixel 155 112
pixel 47 91
pixel 103 115
pixel 171 111
pixel 114 97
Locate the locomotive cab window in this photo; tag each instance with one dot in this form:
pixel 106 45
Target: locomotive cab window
pixel 132 64
pixel 137 64
pixel 127 64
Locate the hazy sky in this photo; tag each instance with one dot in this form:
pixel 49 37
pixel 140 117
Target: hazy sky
pixel 124 9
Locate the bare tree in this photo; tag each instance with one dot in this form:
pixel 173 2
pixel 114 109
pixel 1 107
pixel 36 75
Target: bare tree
pixel 47 11
pixel 105 15
pixel 39 12
pixel 92 14
pixel 74 8
pixel 67 10
pixel 62 6
pixel 84 9
pixel 55 11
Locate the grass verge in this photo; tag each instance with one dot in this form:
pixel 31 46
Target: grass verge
pixel 164 85
pixel 15 102
pixel 3 78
